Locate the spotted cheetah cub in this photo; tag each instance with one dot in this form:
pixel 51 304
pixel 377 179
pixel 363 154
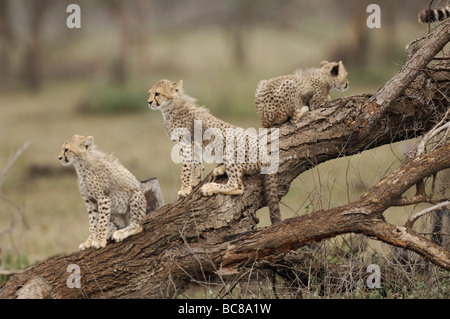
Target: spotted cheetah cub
pixel 113 197
pixel 181 113
pixel 290 96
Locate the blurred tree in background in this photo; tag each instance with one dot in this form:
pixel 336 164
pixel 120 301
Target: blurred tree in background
pixel 117 40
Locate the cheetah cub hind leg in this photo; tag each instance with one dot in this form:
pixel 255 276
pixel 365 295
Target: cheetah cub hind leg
pixel 298 114
pixel 215 188
pixel 111 229
pixel 301 107
pixel 234 186
pixel 197 172
pixel 137 212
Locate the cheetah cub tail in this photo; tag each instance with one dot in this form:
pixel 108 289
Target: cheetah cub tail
pixel 429 16
pixel 270 187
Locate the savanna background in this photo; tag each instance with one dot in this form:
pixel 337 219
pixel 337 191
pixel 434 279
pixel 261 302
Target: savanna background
pixel 56 82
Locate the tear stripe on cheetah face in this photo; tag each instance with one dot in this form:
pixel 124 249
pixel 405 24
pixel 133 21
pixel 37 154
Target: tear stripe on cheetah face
pixel 289 97
pixel 179 110
pixel 113 197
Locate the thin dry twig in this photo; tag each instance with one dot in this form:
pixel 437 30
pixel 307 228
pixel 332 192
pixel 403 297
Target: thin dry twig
pixel 439 127
pixel 13 160
pixel 410 222
pixel 10 272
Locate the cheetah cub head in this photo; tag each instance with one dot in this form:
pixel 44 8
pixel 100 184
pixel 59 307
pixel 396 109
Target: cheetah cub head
pixel 74 148
pixel 337 73
pixel 163 94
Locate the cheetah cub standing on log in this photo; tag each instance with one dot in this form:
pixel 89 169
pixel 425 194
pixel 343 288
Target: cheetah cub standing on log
pixel 113 196
pixel 290 96
pixel 180 113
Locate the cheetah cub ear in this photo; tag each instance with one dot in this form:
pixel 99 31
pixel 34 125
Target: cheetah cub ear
pixel 335 69
pixel 178 86
pixel 331 68
pixel 89 142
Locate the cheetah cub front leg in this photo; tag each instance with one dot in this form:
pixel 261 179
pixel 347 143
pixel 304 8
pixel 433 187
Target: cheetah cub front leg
pixel 104 208
pixel 191 176
pixel 137 213
pixel 93 217
pixel 186 186
pixel 98 223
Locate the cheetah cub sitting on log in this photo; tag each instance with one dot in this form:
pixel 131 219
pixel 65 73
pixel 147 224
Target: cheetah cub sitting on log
pixel 113 196
pixel 290 96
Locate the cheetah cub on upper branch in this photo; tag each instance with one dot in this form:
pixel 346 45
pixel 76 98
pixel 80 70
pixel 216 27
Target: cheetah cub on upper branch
pixel 290 96
pixel 113 196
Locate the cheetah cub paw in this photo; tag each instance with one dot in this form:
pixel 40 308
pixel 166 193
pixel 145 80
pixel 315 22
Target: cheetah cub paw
pixel 209 189
pixel 184 192
pixel 92 243
pixel 99 243
pixel 87 244
pixel 122 234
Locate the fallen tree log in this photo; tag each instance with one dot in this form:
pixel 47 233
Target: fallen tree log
pixel 196 235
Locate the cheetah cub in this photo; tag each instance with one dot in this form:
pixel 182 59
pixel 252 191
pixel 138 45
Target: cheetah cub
pixel 290 96
pixel 113 197
pixel 180 112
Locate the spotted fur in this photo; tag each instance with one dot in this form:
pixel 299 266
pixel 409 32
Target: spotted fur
pixel 113 197
pixel 179 110
pixel 288 97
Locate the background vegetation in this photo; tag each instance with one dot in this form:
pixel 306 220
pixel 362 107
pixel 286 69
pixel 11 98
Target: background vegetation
pixel 55 82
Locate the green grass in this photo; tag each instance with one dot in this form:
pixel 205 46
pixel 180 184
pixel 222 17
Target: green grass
pixel 112 99
pixel 13 261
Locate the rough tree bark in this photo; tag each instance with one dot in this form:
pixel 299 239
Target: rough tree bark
pixel 196 235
